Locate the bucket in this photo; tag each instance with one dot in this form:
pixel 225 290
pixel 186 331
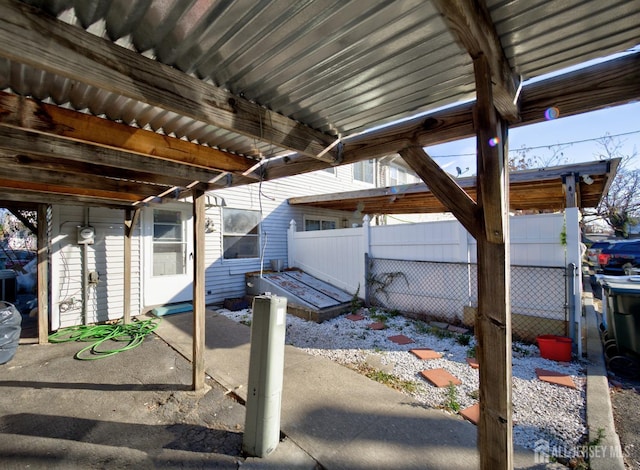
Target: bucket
pixel 277 265
pixel 556 348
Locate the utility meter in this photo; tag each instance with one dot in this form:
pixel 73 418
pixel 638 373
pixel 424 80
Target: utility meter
pixel 86 235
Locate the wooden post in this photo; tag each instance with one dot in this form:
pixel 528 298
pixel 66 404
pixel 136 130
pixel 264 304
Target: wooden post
pixel 493 322
pixel 130 219
pixel 44 215
pixel 198 288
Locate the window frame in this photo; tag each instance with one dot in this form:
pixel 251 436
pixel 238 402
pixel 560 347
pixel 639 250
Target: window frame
pixel 225 234
pixel 320 219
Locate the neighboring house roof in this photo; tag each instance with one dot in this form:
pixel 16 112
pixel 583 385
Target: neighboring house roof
pixel 539 189
pixel 145 99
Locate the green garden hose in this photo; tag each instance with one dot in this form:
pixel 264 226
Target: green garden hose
pixel 133 333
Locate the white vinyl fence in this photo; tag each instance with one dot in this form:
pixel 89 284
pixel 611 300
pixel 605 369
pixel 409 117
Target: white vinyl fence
pixel 431 266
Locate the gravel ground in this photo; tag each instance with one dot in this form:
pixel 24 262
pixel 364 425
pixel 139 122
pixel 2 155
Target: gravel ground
pixel 541 410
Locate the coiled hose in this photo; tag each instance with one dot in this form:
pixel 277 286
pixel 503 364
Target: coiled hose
pixel 133 333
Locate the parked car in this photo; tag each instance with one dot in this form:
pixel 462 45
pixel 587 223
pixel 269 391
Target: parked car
pixel 619 258
pixel 592 253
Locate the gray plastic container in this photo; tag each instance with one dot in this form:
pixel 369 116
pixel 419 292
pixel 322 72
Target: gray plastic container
pixel 10 329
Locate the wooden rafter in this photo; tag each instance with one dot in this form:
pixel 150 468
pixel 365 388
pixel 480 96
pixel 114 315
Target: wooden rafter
pixel 32 143
pixel 16 185
pixel 471 25
pixel 46 43
pixel 595 87
pixel 56 164
pixel 20 172
pixel 28 114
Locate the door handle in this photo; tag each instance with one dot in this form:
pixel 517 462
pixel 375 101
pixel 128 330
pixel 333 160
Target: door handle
pixel 190 256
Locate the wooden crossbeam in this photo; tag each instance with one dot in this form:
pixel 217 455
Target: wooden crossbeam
pixel 444 188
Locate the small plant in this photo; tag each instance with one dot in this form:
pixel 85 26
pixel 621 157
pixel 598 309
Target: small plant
pixel 474 394
pixel 387 379
pixel 439 333
pixel 356 303
pixel 471 352
pixel 245 320
pixel 520 350
pixel 464 340
pixel 421 327
pixel 598 439
pixel 381 282
pixel 451 399
pixel 381 317
pixel 394 313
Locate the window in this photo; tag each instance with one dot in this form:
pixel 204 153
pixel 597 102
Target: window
pixel 169 244
pixel 241 233
pixel 331 170
pixel 363 171
pixel 317 223
pixel 399 175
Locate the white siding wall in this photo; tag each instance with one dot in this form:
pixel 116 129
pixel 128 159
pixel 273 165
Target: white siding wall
pixel 225 278
pixel 105 256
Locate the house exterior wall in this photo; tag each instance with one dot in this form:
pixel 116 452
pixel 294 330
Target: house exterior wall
pixel 224 278
pixel 105 301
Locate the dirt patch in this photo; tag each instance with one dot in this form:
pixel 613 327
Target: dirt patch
pixel 626 414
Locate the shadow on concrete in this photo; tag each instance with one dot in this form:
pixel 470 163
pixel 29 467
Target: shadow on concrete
pixel 98 386
pixel 144 437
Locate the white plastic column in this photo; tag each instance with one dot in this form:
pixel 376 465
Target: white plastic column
pixel 291 244
pixel 266 367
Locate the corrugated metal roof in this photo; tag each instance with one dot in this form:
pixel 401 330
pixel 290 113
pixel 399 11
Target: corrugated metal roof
pixel 541 36
pixel 340 66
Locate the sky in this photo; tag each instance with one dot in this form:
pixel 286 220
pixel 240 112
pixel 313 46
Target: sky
pixel 574 138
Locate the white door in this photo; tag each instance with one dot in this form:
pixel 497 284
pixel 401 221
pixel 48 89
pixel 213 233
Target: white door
pixel 168 235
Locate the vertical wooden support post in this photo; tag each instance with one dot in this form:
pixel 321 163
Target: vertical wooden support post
pixel 44 216
pixel 130 219
pixel 493 323
pixel 198 288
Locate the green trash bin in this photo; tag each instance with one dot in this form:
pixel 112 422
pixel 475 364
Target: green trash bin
pixel 623 312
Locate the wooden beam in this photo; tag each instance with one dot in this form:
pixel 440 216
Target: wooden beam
pixel 9 169
pixel 32 143
pixel 198 289
pixel 44 219
pixel 45 43
pixel 55 163
pixel 23 196
pixel 571 186
pixel 470 23
pixel 493 322
pixel 444 188
pixel 67 190
pixel 24 113
pixel 596 87
pixel 130 220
